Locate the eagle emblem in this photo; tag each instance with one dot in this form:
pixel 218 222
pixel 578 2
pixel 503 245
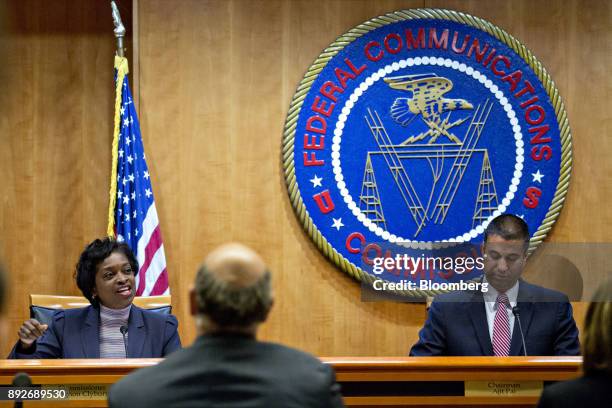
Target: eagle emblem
pixel 428 103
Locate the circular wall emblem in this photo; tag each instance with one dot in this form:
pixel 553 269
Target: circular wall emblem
pixel 419 127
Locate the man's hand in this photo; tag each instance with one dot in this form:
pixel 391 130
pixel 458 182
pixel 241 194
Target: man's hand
pixel 29 331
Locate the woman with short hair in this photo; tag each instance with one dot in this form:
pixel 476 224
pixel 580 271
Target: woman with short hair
pixel 105 274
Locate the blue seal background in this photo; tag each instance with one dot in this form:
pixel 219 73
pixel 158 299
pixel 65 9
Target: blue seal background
pixel 497 137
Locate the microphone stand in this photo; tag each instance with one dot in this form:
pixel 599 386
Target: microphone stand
pixel 124 330
pixel 517 313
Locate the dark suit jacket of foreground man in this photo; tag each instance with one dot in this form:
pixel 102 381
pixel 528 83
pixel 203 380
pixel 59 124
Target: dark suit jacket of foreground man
pixel 229 370
pixel 457 325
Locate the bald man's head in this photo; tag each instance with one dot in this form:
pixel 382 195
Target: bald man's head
pixel 232 288
pixel 236 265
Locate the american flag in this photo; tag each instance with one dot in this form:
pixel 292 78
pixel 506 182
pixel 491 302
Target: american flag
pixel 136 220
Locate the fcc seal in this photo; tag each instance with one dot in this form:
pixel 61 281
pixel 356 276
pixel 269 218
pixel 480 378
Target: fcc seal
pixel 419 127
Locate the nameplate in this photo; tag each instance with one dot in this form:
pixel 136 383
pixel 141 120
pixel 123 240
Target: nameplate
pixel 86 392
pixel 503 388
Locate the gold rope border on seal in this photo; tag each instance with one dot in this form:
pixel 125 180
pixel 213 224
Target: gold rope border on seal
pixel 390 18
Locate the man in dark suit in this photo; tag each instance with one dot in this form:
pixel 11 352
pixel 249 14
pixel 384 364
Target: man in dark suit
pixel 475 323
pixel 227 366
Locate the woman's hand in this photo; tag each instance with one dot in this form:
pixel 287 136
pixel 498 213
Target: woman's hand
pixel 29 331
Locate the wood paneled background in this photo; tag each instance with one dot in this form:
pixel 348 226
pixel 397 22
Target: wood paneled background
pixel 214 80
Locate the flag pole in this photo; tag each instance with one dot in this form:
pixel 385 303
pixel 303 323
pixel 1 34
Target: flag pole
pixel 119 28
pixel 121 65
pixel 132 216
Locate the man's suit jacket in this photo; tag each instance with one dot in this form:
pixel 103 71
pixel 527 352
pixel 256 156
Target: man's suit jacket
pixel 592 390
pixel 457 325
pixel 230 371
pixel 74 333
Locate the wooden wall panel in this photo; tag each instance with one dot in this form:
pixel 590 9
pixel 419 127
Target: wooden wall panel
pixel 55 131
pixel 214 127
pixel 216 79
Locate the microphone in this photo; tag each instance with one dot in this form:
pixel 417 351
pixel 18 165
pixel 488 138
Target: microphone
pixel 21 380
pixel 124 330
pixel 517 312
